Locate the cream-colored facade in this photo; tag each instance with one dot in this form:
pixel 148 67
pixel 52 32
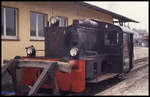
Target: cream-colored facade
pixel 70 10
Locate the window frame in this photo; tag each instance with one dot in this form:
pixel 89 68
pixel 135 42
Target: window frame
pixel 117 38
pixel 37 37
pixel 7 37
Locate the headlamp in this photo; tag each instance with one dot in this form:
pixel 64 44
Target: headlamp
pixel 53 20
pixel 30 51
pixel 74 52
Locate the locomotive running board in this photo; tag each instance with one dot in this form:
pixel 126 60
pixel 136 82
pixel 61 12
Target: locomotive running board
pixel 49 69
pixel 102 77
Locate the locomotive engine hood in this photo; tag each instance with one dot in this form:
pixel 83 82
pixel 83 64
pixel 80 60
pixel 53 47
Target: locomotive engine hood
pixel 60 40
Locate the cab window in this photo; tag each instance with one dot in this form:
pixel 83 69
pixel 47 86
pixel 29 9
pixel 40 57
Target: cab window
pixel 111 38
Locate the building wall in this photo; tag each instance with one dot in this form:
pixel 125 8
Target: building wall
pixel 11 48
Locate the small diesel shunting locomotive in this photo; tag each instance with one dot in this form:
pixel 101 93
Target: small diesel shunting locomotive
pixel 95 50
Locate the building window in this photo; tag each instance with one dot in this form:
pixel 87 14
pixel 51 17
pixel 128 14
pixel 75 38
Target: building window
pixel 37 24
pixel 111 38
pixel 8 23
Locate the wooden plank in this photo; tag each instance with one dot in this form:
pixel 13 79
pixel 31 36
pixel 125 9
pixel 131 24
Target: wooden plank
pixel 36 63
pixel 52 80
pixel 39 81
pixel 28 64
pixel 4 69
pixel 64 67
pixel 32 65
pixel 12 71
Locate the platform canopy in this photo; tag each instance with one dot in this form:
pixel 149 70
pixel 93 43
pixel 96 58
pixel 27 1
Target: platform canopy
pixel 121 18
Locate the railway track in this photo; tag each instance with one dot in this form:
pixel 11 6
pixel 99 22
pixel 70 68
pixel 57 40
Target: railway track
pixel 140 63
pixel 140 60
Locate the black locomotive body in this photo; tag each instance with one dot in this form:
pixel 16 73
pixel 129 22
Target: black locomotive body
pixel 106 48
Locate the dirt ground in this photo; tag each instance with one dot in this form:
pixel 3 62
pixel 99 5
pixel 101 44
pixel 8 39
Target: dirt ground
pixel 140 52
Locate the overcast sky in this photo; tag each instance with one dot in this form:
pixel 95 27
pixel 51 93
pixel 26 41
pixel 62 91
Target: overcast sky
pixel 135 10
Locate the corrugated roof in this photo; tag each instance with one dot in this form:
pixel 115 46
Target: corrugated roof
pixel 114 15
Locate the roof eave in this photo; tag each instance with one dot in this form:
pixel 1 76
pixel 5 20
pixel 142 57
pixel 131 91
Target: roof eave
pixel 114 15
